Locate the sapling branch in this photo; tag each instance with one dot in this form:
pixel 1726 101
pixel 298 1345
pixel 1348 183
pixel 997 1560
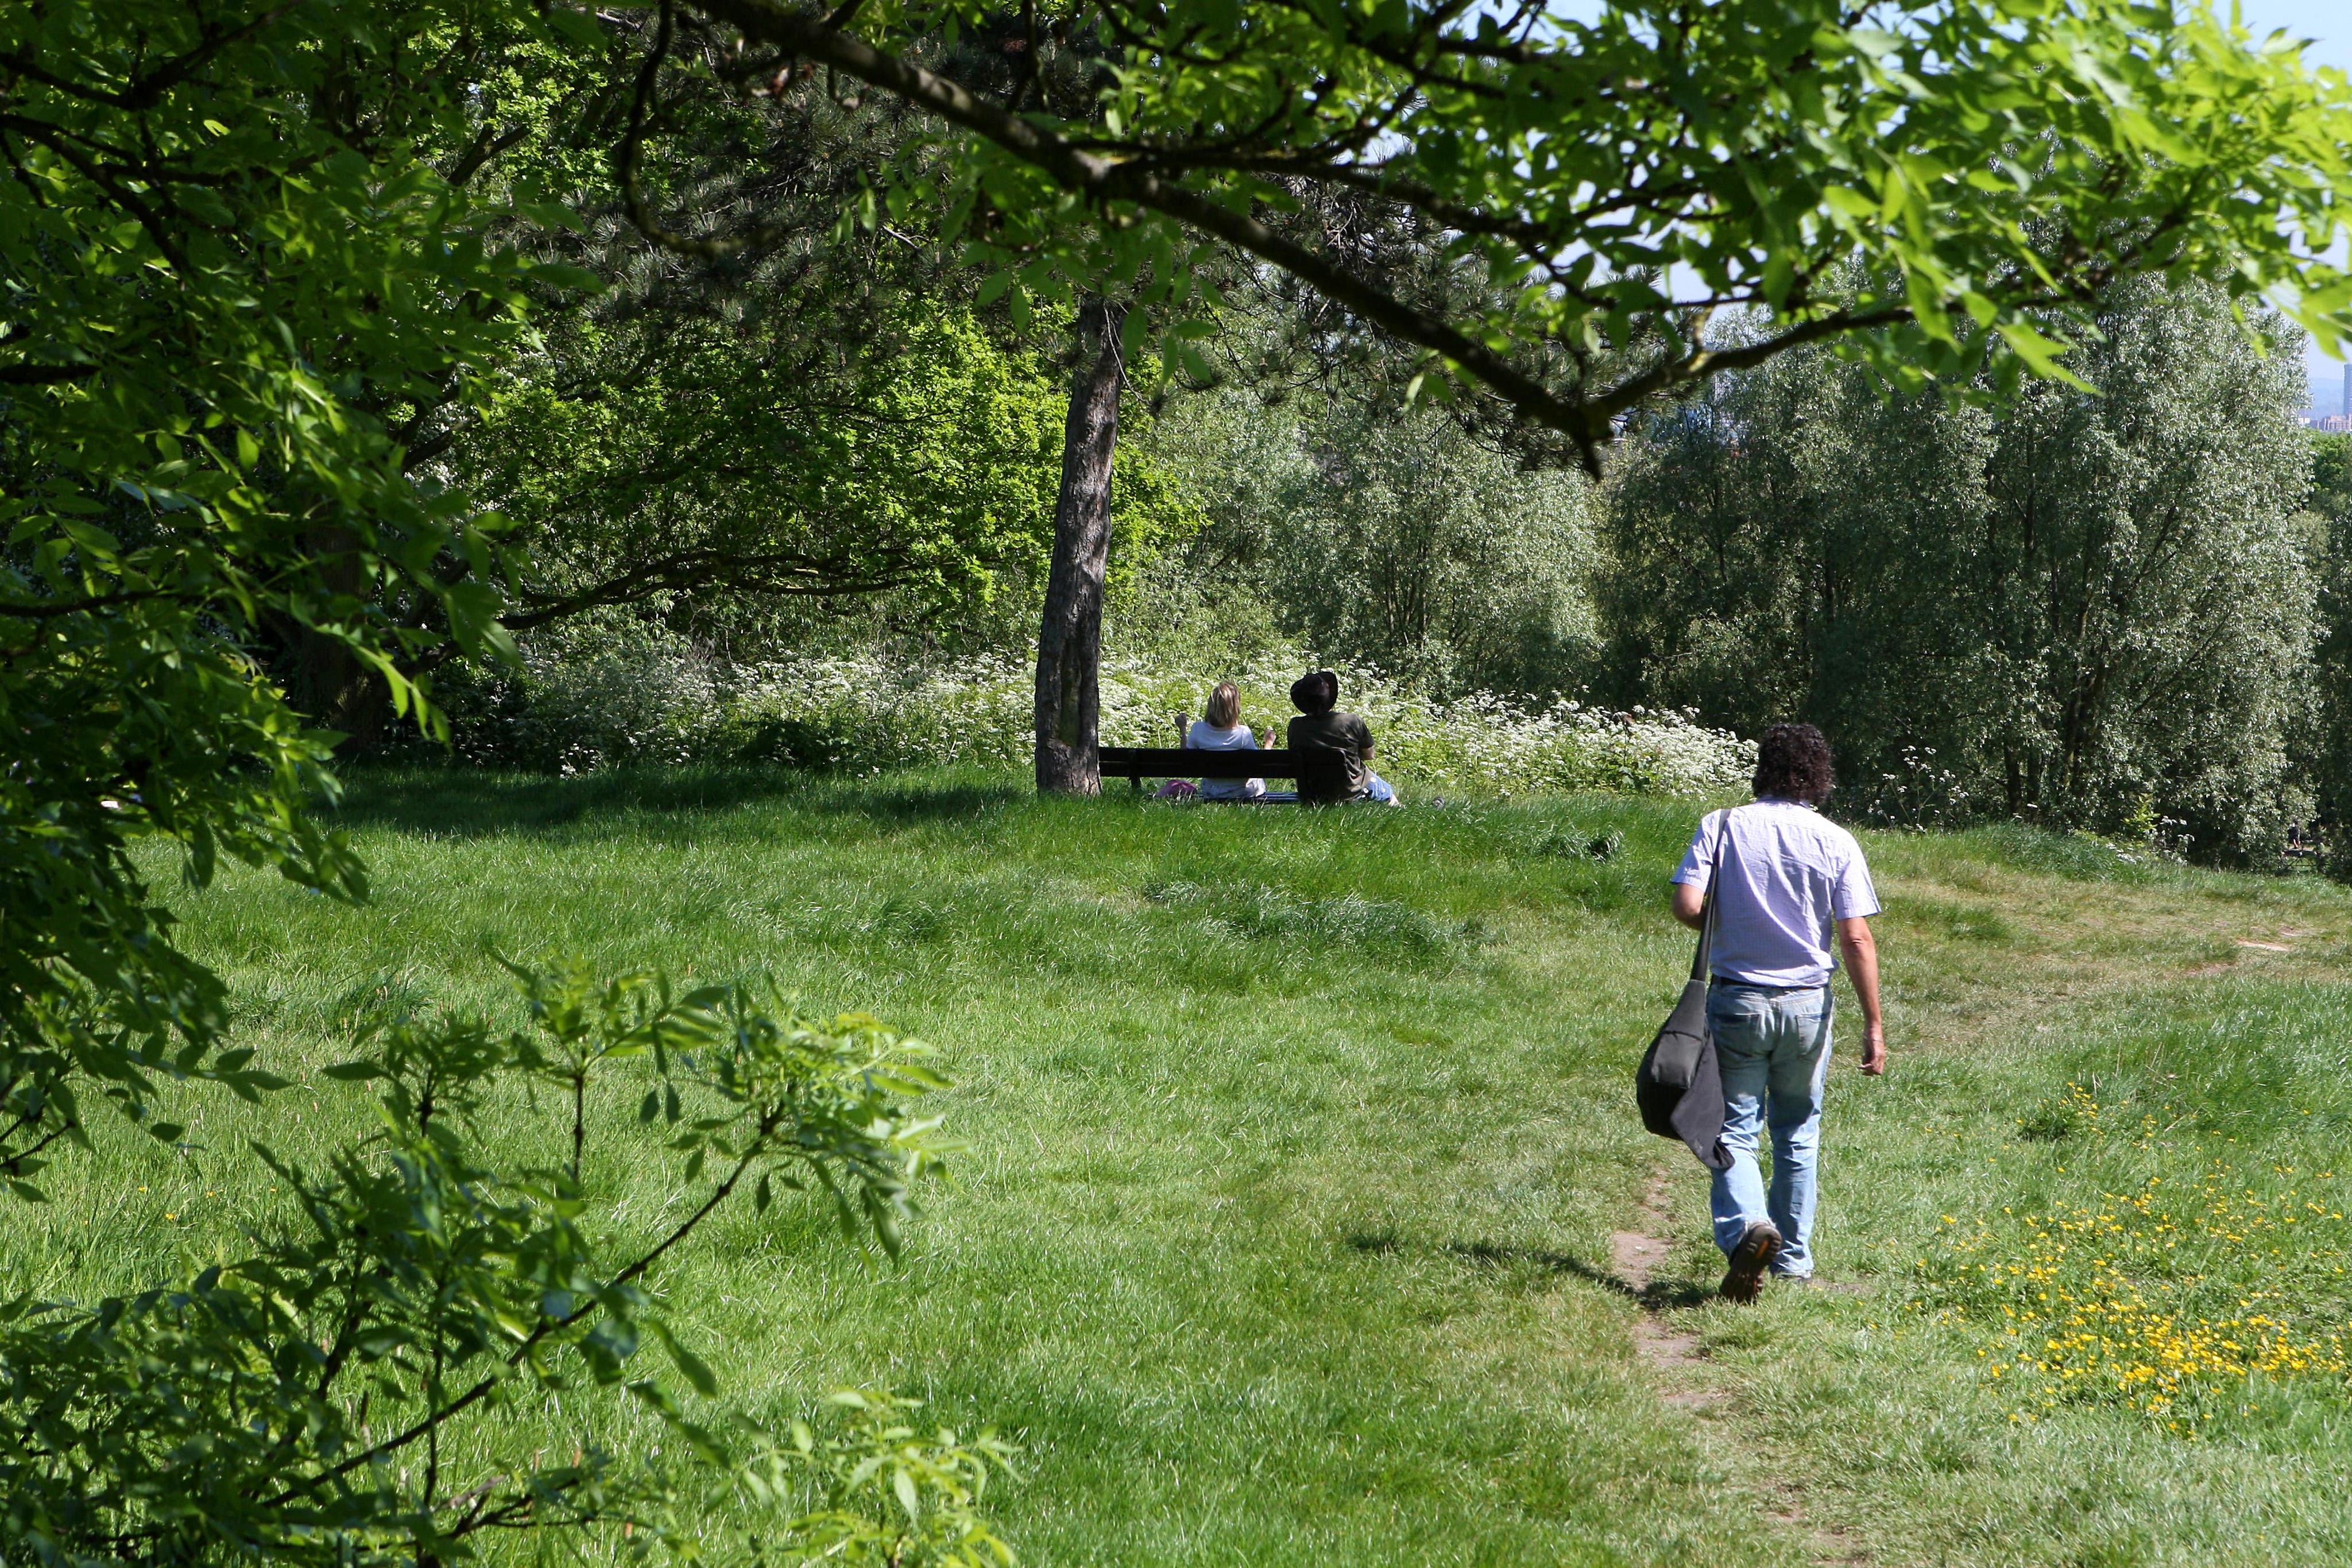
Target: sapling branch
pixel 426 1425
pixel 14 1164
pixel 433 1389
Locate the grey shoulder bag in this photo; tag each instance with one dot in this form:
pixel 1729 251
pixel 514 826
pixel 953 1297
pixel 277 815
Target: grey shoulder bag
pixel 1679 1087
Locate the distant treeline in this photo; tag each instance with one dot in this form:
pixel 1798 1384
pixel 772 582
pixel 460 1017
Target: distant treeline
pixel 2122 611
pixel 2098 610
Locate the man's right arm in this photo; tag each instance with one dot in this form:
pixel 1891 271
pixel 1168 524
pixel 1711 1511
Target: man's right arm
pixel 1861 951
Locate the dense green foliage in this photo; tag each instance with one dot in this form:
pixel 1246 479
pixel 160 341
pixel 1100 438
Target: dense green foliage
pixel 730 493
pixel 2326 754
pixel 230 286
pixel 1387 536
pixel 1995 165
pixel 703 462
pixel 805 406
pixel 2091 609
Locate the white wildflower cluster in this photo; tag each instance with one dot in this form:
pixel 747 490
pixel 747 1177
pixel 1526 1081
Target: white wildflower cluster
pixel 582 710
pixel 865 714
pixel 649 704
pixel 1482 742
pixel 1921 792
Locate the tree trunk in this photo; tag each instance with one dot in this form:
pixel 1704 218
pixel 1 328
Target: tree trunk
pixel 1069 639
pixel 323 681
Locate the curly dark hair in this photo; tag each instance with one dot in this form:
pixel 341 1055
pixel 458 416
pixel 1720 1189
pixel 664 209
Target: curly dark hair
pixel 1792 762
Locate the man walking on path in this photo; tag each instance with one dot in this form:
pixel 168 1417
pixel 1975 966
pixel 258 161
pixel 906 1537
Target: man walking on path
pixel 1788 875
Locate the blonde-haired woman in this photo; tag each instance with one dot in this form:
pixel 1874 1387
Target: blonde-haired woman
pixel 1222 730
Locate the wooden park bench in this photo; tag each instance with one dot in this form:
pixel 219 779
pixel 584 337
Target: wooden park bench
pixel 1137 763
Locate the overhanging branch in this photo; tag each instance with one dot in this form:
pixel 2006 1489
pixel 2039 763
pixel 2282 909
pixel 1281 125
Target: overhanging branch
pixel 1104 181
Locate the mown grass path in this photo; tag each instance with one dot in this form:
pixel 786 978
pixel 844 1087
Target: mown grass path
pixel 1298 1143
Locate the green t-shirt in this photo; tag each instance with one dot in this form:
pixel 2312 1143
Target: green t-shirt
pixel 1343 734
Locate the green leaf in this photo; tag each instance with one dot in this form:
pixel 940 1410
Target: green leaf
pixel 89 537
pixel 474 609
pixel 902 1487
pixel 557 275
pixel 2039 354
pixel 688 1364
pixel 556 215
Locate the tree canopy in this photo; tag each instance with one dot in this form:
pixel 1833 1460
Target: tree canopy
pixel 799 408
pixel 716 457
pixel 1949 188
pixel 1389 536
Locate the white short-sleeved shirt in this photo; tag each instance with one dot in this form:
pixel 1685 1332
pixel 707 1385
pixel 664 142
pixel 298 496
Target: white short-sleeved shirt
pixel 1788 872
pixel 1206 737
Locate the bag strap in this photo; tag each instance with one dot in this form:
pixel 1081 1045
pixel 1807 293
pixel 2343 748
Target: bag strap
pixel 1714 886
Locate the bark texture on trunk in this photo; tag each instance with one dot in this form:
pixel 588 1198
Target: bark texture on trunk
pixel 1069 639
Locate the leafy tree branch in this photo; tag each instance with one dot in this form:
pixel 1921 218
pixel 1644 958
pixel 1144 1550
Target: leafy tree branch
pixel 1608 184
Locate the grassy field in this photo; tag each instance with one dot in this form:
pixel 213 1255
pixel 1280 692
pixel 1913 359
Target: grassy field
pixel 1297 1140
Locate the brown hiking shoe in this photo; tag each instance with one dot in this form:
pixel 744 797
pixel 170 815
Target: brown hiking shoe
pixel 1745 1280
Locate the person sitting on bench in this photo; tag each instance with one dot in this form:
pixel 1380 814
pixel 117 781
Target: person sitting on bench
pixel 1338 742
pixel 1223 730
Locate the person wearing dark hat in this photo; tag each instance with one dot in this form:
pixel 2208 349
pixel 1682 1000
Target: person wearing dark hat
pixel 1338 763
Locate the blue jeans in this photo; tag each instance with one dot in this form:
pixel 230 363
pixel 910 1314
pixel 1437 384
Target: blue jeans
pixel 1773 1046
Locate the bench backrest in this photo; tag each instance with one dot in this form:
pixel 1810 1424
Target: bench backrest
pixel 1321 772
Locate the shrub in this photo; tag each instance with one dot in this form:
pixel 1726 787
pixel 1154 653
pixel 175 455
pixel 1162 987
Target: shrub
pixel 635 698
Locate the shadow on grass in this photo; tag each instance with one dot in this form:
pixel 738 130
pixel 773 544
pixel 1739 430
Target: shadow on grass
pixel 461 803
pixel 1658 1295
